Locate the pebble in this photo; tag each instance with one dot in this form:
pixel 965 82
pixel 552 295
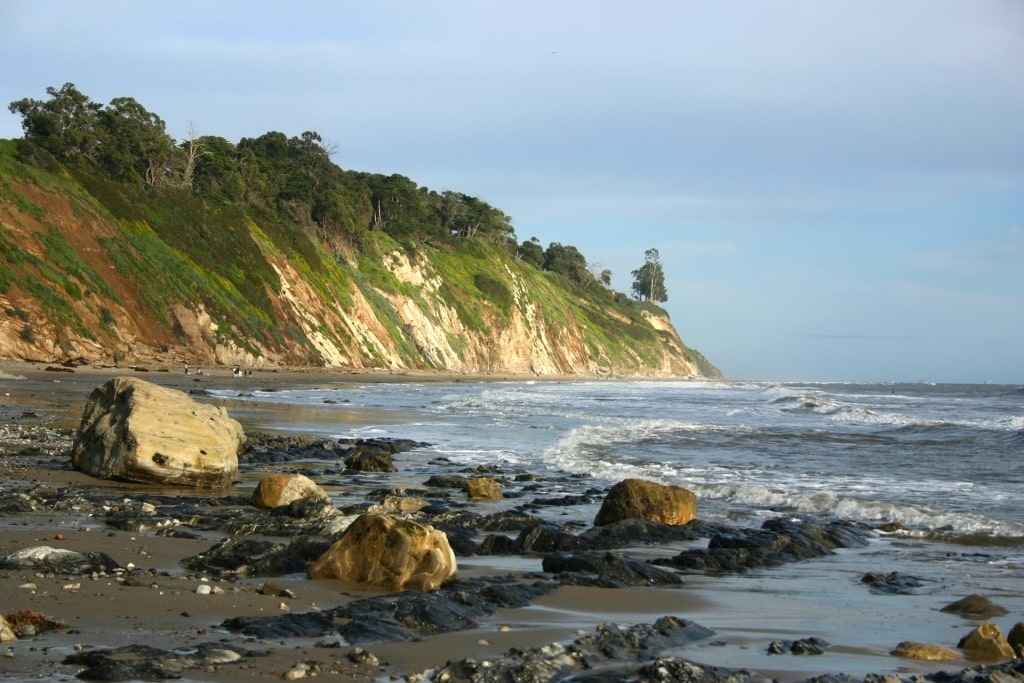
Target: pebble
pixel 204 589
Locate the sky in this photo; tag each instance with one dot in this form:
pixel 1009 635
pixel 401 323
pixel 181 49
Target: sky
pixel 835 187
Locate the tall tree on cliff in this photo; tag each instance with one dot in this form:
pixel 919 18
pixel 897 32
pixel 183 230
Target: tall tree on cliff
pixel 649 279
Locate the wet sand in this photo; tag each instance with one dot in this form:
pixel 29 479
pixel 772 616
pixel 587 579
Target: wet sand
pixel 748 612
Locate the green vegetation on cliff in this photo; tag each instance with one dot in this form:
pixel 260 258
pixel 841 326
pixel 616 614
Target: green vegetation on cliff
pixel 111 233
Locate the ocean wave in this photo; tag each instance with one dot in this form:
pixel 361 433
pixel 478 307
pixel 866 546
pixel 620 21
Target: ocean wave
pixel 922 520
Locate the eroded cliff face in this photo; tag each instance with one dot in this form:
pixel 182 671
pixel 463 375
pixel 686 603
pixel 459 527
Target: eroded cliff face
pixel 412 326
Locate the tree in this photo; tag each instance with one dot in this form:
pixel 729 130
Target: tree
pixel 531 252
pixel 568 261
pixel 134 142
pixel 192 149
pixel 649 279
pixel 65 125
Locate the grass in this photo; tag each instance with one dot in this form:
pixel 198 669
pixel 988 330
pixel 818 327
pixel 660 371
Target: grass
pixel 177 248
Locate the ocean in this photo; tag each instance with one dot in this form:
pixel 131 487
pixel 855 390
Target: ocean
pixel 943 461
pixel 943 464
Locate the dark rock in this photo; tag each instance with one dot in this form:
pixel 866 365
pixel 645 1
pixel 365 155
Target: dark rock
pixel 804 646
pixel 287 625
pixel 893 583
pixel 646 532
pixel 673 670
pixel 499 544
pixel 258 557
pixel 607 655
pixel 399 617
pixel 610 567
pixel 383 445
pixel 363 460
pixel 640 642
pixel 308 507
pixel 142 662
pixel 543 538
pixel 448 481
pixel 779 541
pixel 59 560
pixel 975 607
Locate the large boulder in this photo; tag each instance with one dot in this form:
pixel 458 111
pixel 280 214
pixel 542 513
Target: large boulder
pixel 986 643
pixel 275 490
pixel 136 431
pixel 640 499
pixel 390 552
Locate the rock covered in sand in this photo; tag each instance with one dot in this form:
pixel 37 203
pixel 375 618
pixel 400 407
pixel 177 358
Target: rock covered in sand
pixel 391 552
pixel 137 431
pixel 640 499
pixel 931 652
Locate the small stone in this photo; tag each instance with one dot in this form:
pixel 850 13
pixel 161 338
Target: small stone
pixel 204 589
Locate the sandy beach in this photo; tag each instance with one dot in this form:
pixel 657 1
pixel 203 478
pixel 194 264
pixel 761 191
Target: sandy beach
pixel 101 611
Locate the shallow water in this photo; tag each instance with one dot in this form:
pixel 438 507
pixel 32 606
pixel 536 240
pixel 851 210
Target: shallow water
pixel 945 462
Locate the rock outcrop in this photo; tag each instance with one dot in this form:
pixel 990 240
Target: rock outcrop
pixel 640 499
pixel 390 552
pixel 134 430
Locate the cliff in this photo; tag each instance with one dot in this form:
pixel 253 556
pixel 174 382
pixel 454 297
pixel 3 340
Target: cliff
pixel 96 272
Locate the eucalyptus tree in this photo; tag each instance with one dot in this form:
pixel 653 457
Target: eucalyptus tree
pixel 649 279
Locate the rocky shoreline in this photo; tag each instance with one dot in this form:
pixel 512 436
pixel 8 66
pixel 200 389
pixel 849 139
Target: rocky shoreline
pixel 114 581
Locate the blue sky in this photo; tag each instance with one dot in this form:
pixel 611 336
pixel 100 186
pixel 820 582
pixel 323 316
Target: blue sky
pixel 836 189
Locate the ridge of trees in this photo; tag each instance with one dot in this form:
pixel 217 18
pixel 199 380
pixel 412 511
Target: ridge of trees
pixel 291 179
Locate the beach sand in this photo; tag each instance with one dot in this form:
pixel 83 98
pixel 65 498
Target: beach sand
pixel 793 602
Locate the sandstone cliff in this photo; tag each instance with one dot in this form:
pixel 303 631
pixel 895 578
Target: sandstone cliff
pixel 83 279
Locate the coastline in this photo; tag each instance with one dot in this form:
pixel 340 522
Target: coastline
pixel 169 613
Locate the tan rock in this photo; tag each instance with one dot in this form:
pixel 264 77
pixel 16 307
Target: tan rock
pixel 391 552
pixel 986 644
pixel 484 488
pixel 137 431
pixel 6 632
pixel 931 652
pixel 640 499
pixel 275 490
